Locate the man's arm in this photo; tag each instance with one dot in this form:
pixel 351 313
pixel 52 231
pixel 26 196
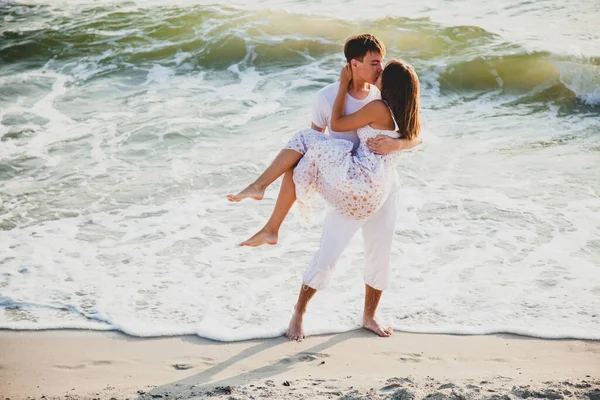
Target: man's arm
pixel 385 145
pixel 318 114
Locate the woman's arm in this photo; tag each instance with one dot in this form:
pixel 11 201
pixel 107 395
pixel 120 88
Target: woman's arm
pixel 358 119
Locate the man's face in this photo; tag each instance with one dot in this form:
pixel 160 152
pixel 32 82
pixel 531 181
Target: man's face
pixel 370 68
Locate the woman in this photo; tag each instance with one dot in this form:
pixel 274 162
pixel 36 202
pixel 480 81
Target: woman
pixel 356 184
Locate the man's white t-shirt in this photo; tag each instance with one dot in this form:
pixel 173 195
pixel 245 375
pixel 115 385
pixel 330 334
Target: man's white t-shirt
pixel 323 104
pixel 321 116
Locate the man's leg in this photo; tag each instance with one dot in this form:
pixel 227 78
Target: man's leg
pixel 285 160
pixel 372 297
pixel 270 232
pixel 294 331
pixel 337 232
pixel 378 234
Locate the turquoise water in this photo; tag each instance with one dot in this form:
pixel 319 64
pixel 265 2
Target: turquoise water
pixel 124 124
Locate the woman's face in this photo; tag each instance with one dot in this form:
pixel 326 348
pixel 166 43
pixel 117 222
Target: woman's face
pixel 378 82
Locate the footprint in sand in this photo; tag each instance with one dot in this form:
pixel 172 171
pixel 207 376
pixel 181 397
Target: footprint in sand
pixel 101 362
pixel 181 367
pixel 303 357
pixel 410 359
pixel 78 366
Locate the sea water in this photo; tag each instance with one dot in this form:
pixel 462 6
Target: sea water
pixel 123 125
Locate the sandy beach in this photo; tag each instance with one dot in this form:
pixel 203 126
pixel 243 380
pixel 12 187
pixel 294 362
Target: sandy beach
pixel 352 365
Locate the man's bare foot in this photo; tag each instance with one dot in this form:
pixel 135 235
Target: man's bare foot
pixel 374 326
pixel 261 237
pixel 253 191
pixel 295 331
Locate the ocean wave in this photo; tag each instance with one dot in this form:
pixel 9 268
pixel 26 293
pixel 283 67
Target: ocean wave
pixel 543 76
pixel 115 38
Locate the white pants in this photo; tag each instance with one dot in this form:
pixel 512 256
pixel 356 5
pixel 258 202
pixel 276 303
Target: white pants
pixel 378 232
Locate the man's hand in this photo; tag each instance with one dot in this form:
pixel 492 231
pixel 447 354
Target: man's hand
pixel 383 145
pixel 316 127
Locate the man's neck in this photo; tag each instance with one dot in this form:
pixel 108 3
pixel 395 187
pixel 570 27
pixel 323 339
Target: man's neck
pixel 359 89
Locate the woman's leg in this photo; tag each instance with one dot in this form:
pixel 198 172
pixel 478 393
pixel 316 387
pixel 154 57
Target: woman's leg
pixel 285 160
pixel 287 196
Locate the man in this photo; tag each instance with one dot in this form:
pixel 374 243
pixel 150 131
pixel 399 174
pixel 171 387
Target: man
pixel 365 54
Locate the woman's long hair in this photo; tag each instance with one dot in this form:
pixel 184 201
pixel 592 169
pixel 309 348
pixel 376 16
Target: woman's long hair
pixel 400 90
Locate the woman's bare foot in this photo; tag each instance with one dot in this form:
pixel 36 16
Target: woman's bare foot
pixel 253 191
pixel 295 331
pixel 264 236
pixel 374 326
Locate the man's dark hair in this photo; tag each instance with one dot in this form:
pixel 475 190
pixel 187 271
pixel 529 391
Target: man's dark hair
pixel 356 47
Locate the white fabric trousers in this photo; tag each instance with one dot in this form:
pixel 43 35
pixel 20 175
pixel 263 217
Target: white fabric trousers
pixel 378 232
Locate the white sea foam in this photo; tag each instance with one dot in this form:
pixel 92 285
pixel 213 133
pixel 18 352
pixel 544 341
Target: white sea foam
pixel 583 80
pixel 467 260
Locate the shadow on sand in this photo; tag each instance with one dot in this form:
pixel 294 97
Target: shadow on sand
pixel 201 383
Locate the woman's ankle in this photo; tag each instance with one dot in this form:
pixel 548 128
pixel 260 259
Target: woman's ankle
pixel 274 230
pixel 256 185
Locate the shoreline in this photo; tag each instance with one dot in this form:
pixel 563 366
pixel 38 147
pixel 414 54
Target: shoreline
pixel 111 364
pixel 269 337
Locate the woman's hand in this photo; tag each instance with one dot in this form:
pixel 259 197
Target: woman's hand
pixel 346 75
